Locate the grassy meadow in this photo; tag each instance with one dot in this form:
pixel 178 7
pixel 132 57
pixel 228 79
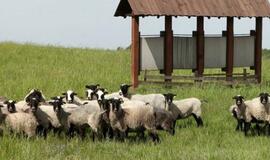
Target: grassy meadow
pixel 56 69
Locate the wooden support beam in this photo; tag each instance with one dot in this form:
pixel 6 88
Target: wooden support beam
pixel 200 46
pixel 135 39
pixel 258 49
pixel 229 49
pixel 168 48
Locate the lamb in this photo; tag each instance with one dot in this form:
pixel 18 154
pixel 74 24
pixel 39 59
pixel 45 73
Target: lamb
pixel 139 117
pixel 21 122
pixel 238 111
pixel 184 108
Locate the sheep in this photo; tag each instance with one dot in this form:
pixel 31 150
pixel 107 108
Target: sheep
pixel 236 110
pixel 7 109
pixel 99 121
pixel 123 92
pixel 22 106
pixel 181 109
pixel 90 91
pixel 72 98
pixel 22 122
pixel 43 119
pixel 258 112
pixel 74 120
pixel 139 117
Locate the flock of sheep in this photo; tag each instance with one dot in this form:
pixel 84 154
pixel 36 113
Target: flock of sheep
pixel 111 116
pixel 255 111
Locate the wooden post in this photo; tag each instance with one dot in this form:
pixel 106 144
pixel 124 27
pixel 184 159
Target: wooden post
pixel 200 46
pixel 230 49
pixel 168 47
pixel 135 39
pixel 258 49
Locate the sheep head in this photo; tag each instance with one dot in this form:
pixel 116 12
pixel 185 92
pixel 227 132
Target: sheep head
pixel 11 106
pixel 57 103
pixel 264 98
pixel 169 97
pixel 90 91
pixel 33 103
pixel 124 89
pixel 35 93
pixel 238 100
pixel 100 93
pixel 69 96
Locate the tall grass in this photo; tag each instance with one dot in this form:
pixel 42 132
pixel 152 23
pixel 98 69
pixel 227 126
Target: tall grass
pixel 56 69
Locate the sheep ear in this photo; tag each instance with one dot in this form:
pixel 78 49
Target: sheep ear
pixel 64 93
pixel 242 97
pixel 51 103
pixel 235 97
pixel 87 86
pixel 1 106
pixel 129 85
pixel 85 103
pixel 5 102
pixel 174 95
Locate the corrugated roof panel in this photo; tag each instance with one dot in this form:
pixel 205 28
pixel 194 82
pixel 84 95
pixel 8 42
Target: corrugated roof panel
pixel 208 8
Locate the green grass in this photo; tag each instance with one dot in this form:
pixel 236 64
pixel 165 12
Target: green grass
pixel 56 69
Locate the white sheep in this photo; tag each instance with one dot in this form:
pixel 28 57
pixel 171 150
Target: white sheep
pixel 138 117
pixel 25 123
pixel 73 120
pixel 184 108
pixel 6 108
pixel 238 111
pixel 258 111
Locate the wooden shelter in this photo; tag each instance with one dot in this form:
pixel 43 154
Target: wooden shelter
pixel 199 42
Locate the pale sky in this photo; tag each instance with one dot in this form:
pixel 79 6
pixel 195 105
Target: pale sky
pixel 90 23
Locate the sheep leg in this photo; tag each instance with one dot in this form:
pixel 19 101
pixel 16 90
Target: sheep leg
pixel 268 129
pixel 239 125
pixel 82 133
pixel 246 127
pixel 174 124
pixel 93 136
pixel 110 133
pixel 258 129
pixel 198 120
pixel 154 136
pixel 44 133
